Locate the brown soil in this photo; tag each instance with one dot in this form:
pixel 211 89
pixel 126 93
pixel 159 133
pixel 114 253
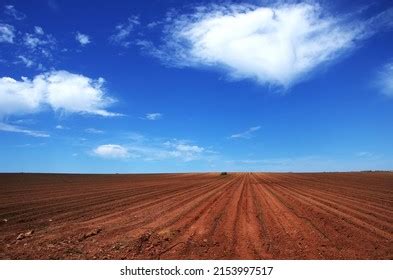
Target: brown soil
pixel 197 216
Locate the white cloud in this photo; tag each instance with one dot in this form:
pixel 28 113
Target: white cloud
pixel 364 154
pixel 20 97
pixel 123 31
pixel 39 30
pixel 83 39
pixel 7 33
pixel 153 24
pixel 61 90
pixel 39 42
pixel 28 62
pixel 385 80
pixel 276 45
pixel 11 11
pixel 246 134
pixel 17 129
pixel 153 116
pixel 94 131
pixel 136 137
pixel 77 94
pixel 24 121
pixel 31 41
pixel 29 47
pixel 61 127
pixel 173 149
pixel 188 148
pixel 151 150
pixel 34 42
pixel 111 151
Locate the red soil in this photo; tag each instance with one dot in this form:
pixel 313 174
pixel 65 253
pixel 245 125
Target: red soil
pixel 197 216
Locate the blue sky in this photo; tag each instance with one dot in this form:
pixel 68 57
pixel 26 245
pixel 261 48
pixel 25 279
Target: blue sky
pixel 176 86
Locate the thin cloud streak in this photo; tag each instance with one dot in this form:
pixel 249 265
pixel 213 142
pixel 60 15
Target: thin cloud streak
pixel 122 32
pixel 249 133
pixel 153 116
pixel 385 80
pixel 17 129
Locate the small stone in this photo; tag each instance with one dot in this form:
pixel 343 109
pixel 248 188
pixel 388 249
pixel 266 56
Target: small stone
pixel 205 240
pixel 20 236
pixel 24 235
pixel 50 220
pixel 90 234
pixel 5 220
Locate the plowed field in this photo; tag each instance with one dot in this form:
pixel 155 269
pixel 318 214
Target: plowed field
pixel 197 216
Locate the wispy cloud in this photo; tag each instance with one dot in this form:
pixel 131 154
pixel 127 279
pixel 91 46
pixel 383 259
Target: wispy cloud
pixel 24 121
pixel 10 10
pixel 364 154
pixel 385 80
pixel 153 116
pixel 148 150
pixel 180 150
pixel 312 163
pixel 39 42
pixel 279 45
pixel 33 49
pixel 83 39
pixel 368 156
pixel 249 133
pixel 153 24
pixel 63 91
pixel 123 31
pixel 39 30
pixel 7 33
pixel 18 129
pixel 94 130
pixel 136 137
pixel 28 62
pixel 61 127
